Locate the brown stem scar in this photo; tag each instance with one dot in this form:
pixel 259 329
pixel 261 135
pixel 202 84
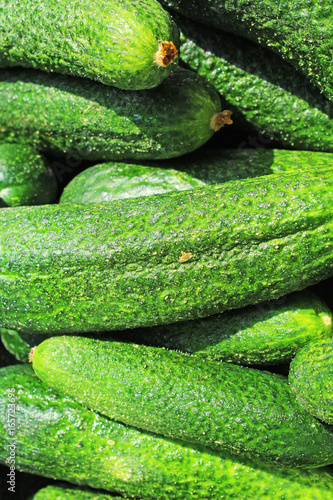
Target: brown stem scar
pixel 221 119
pixel 166 53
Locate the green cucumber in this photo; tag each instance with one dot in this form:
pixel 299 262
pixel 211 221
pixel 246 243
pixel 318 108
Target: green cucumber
pixel 112 181
pixel 300 31
pixel 20 344
pixel 25 177
pixel 264 334
pixel 164 258
pixel 55 492
pixel 262 91
pixel 85 448
pixel 77 117
pixel 311 379
pixel 218 405
pixel 128 44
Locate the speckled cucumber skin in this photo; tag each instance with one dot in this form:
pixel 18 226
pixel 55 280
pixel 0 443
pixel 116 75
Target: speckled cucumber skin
pixel 310 378
pixel 299 31
pixel 77 117
pixel 164 258
pixel 67 493
pixel 86 448
pixel 262 91
pixel 267 333
pixel 25 177
pixel 248 412
pixel 109 41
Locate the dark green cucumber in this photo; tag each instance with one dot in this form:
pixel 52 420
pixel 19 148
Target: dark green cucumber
pixel 77 117
pixel 164 258
pixel 267 333
pixel 53 492
pixel 311 379
pixel 112 181
pixel 25 177
pixel 85 448
pixel 262 91
pixel 219 405
pixel 128 44
pixel 299 31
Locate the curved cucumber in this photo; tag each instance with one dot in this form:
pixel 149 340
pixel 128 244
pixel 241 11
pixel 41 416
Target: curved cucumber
pixel 219 405
pixel 128 44
pixel 72 116
pixel 263 334
pixel 85 448
pixel 164 258
pixel 25 177
pixel 311 379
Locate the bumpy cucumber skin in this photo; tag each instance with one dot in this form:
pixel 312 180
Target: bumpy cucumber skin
pixel 164 258
pixel 310 378
pixel 72 116
pixel 113 181
pixel 66 493
pixel 267 333
pixel 262 91
pixel 109 41
pixel 86 448
pixel 222 406
pixel 298 31
pixel 25 177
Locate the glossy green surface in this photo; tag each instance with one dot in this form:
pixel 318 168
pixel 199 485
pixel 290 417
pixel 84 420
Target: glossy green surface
pixel 25 177
pixel 76 117
pixel 113 42
pixel 299 31
pixel 267 333
pixel 84 447
pixel 311 379
pixel 164 258
pixel 263 92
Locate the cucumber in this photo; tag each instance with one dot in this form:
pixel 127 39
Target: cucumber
pixel 264 334
pixel 164 258
pixel 263 92
pixel 310 378
pixel 25 177
pixel 128 44
pixel 20 344
pixel 77 117
pixel 112 181
pixel 85 448
pixel 218 405
pixel 300 31
pixel 53 492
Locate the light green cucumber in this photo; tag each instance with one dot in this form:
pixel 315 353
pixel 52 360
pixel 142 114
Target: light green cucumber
pixel 311 379
pixel 248 412
pixel 85 448
pixel 128 44
pixel 164 258
pixel 76 117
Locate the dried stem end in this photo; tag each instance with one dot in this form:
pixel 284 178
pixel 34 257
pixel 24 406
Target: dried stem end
pixel 221 119
pixel 166 53
pixel 31 354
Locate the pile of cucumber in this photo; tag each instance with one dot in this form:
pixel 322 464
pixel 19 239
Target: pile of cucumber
pixel 166 250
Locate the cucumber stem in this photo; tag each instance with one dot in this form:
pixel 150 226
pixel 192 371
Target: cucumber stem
pixel 221 119
pixel 166 53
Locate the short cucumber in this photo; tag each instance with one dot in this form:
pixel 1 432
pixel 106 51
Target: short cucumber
pixel 128 44
pixel 311 379
pixel 264 334
pixel 83 447
pixel 264 93
pixel 75 117
pixel 218 405
pixel 53 492
pixel 25 177
pixel 164 258
pixel 299 31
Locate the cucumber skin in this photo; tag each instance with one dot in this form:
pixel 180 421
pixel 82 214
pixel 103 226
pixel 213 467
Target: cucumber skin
pixel 300 32
pixel 264 334
pixel 25 177
pixel 65 493
pixel 86 448
pixel 225 407
pixel 77 117
pixel 109 41
pixel 310 378
pixel 251 240
pixel 261 90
